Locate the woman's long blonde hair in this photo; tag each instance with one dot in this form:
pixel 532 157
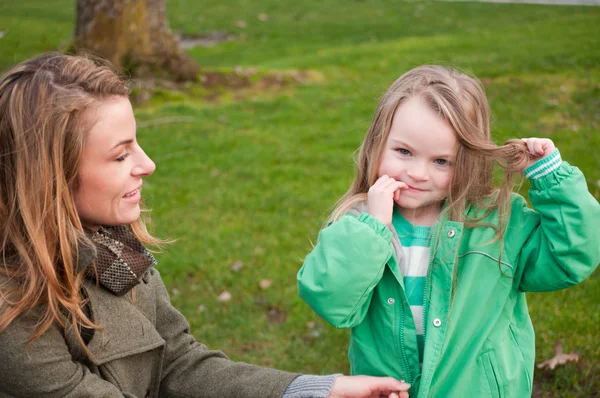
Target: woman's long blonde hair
pixel 460 99
pixel 42 135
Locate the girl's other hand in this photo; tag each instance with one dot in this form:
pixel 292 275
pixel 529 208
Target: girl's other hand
pixel 368 387
pixel 539 148
pixel 382 196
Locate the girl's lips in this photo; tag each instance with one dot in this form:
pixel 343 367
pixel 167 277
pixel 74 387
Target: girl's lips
pixel 415 189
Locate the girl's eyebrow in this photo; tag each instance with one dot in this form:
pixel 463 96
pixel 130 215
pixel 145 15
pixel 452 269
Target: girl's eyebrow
pixel 400 142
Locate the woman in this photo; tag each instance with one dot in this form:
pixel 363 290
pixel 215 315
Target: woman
pixel 82 310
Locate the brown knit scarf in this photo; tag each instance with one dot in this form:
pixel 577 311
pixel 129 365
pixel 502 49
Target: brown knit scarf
pixel 121 259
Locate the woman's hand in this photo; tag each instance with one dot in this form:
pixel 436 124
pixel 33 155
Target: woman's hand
pixel 368 387
pixel 381 198
pixel 539 148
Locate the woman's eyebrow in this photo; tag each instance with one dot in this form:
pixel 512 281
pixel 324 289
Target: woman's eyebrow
pixel 124 142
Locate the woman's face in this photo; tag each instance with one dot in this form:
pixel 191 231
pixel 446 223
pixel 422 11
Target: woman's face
pixel 112 167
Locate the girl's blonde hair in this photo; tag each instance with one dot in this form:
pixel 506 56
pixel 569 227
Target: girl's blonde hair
pixel 42 135
pixel 460 99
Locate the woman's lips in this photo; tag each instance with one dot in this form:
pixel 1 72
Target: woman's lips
pixel 133 196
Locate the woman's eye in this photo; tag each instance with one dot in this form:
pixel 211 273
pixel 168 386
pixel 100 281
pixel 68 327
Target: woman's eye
pixel 441 162
pixel 403 151
pixel 122 158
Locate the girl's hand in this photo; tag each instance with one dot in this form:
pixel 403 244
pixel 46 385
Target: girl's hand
pixel 381 198
pixel 539 148
pixel 368 387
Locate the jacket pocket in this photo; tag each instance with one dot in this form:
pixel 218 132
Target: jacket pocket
pixel 490 368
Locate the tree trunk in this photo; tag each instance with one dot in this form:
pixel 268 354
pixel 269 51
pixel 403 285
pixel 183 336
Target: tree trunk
pixel 133 35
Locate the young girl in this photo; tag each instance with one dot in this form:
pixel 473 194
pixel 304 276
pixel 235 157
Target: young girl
pixel 429 263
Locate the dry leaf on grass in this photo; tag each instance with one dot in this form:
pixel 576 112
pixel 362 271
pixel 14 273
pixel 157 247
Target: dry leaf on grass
pixel 237 266
pixel 265 283
pixel 559 358
pixel 276 315
pixel 225 296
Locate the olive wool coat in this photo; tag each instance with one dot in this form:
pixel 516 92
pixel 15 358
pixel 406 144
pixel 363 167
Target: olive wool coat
pixel 145 350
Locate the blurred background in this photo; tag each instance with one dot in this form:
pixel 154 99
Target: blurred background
pixel 252 111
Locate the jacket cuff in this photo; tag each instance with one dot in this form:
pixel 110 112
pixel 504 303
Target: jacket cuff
pixel 544 166
pixel 565 170
pixel 380 228
pixel 308 386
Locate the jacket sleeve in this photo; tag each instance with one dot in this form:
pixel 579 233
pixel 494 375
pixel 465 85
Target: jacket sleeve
pixel 561 245
pixel 45 368
pixel 338 277
pixel 190 369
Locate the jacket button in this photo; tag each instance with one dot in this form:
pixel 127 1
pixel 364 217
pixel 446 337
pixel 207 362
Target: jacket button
pixel 451 233
pixel 391 300
pixel 437 323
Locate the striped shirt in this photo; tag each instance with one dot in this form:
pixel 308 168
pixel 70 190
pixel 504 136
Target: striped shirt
pixel 416 249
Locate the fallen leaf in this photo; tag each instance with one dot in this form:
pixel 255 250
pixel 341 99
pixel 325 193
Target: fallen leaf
pixel 237 266
pixel 263 17
pixel 260 300
pixel 259 250
pixel 265 283
pixel 1 35
pixel 201 308
pixel 559 359
pixel 175 292
pixel 276 315
pixel 240 24
pixel 225 296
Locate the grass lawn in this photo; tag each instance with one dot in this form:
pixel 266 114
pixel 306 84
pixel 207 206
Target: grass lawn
pixel 250 178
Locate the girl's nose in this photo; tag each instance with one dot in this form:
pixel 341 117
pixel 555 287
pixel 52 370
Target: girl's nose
pixel 418 173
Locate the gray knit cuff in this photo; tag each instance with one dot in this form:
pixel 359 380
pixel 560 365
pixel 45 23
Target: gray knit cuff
pixel 308 386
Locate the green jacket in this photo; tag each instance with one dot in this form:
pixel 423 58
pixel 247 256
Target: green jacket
pixel 479 339
pixel 146 350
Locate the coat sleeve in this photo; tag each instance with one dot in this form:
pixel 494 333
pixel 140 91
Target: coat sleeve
pixel 191 369
pixel 561 246
pixel 45 368
pixel 338 277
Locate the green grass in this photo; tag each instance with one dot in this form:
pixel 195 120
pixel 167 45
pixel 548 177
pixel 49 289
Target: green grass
pixel 252 180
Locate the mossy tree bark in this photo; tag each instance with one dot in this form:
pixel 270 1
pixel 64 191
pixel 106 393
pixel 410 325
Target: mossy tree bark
pixel 134 36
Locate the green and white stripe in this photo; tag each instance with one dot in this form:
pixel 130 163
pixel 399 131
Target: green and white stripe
pixel 415 261
pixel 544 166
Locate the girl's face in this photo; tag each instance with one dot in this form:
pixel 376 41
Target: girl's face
pixel 112 167
pixel 420 152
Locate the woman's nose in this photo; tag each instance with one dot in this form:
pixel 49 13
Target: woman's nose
pixel 145 166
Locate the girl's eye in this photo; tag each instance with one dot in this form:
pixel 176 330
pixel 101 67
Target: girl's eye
pixel 403 151
pixel 441 162
pixel 122 158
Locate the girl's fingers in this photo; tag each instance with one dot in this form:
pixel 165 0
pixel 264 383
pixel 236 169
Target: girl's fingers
pixel 539 148
pixel 390 185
